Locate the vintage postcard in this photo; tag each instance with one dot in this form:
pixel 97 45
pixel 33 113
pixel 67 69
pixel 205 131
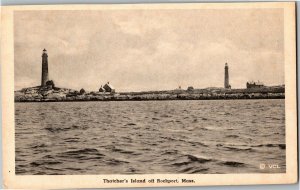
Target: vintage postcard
pixel 142 95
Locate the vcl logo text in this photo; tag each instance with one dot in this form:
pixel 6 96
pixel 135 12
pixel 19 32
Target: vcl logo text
pixel 270 166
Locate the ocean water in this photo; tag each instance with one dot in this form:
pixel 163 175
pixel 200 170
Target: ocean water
pixel 153 137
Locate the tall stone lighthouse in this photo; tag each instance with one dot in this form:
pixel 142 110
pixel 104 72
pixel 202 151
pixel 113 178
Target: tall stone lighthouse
pixel 45 74
pixel 226 81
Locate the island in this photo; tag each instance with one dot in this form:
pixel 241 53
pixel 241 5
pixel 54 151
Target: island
pixel 55 94
pixel 48 92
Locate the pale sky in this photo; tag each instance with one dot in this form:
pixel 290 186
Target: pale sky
pixel 137 50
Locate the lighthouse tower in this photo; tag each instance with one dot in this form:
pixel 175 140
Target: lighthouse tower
pixel 226 81
pixel 45 73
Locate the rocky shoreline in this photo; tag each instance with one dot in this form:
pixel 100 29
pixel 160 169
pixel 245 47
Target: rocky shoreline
pixel 54 94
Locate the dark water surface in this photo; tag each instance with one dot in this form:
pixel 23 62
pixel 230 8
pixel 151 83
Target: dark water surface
pixel 212 136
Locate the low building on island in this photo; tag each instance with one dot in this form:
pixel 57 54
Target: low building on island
pixel 107 88
pixel 82 91
pixel 252 84
pixel 101 89
pixel 190 88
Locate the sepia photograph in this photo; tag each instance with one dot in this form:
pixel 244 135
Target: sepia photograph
pixel 142 90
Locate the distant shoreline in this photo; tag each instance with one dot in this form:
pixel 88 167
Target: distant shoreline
pixel 49 94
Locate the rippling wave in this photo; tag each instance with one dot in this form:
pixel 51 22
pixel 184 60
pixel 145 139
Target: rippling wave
pixel 149 137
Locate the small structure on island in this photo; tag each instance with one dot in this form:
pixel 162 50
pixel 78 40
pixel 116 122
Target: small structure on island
pixel 226 81
pixel 82 91
pixel 109 88
pixel 50 83
pixel 257 84
pixel 190 88
pixel 45 74
pixel 101 89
